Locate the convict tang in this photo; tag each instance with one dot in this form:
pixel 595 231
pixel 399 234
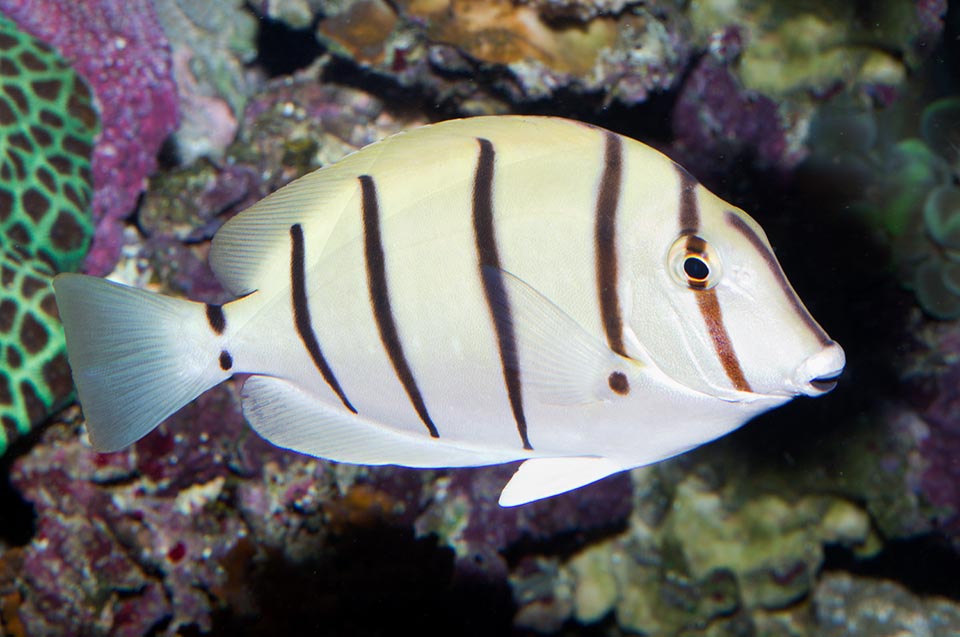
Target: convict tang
pixel 467 293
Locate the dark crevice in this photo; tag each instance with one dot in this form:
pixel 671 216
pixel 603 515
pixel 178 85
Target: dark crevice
pixel 18 515
pixel 925 564
pixel 283 50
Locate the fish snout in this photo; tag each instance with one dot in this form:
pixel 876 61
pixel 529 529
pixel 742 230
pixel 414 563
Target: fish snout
pixel 819 374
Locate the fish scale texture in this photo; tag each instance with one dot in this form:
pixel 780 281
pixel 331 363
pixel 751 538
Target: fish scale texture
pixel 47 126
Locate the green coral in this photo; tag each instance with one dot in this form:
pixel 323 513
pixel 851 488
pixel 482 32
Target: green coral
pixel 709 559
pixel 47 128
pixel 794 47
pixel 906 174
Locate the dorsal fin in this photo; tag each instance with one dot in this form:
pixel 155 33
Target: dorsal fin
pixel 245 251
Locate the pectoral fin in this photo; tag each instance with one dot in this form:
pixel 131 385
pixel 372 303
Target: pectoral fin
pixel 560 362
pixel 544 477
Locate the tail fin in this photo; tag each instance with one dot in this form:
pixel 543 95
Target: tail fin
pixel 137 357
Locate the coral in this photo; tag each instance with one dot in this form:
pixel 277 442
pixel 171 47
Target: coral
pixel 298 14
pixel 151 540
pixel 796 47
pixel 849 606
pixel 119 49
pixel 525 51
pixel 935 385
pixel 715 117
pixel 465 516
pixel 702 556
pixel 47 124
pixel 211 42
pixel 906 186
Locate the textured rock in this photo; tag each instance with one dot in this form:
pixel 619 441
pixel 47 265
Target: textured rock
pixel 849 606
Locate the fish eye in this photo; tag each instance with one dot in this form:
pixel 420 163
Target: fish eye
pixel 693 263
pixel 696 268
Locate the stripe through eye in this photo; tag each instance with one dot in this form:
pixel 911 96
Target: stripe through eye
pixel 694 263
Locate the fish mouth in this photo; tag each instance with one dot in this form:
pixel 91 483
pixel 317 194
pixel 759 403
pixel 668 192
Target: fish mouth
pixel 823 384
pixel 819 373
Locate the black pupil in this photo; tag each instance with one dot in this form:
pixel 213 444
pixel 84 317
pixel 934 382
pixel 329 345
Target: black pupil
pixel 696 268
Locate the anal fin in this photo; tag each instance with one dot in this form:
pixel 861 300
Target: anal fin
pixel 290 417
pixel 540 478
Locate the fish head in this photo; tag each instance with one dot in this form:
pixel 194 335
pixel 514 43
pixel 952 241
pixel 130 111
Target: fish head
pixel 720 317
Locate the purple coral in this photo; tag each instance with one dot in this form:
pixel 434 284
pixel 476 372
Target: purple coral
pixel 119 48
pixel 940 482
pixel 716 119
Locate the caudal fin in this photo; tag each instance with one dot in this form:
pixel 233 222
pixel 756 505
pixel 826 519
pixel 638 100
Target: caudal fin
pixel 137 357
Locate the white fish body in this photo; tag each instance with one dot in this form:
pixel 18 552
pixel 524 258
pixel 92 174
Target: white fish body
pixel 470 293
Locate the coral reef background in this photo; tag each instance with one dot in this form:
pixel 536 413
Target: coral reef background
pixel 835 124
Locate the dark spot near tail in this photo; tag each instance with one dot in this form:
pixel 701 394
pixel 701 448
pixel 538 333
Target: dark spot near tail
pixel 216 319
pixel 226 361
pixel 618 383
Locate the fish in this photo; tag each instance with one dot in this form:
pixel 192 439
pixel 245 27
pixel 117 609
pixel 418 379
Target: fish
pixel 471 292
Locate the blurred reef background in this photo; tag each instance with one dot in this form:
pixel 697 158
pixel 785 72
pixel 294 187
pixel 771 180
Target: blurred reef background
pixel 132 129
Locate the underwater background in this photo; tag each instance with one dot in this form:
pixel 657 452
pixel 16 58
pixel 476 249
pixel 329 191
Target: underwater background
pixel 130 130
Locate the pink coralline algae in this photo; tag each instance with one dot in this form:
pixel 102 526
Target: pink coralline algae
pixel 119 48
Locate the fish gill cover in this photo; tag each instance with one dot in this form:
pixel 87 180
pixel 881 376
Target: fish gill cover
pixel 47 124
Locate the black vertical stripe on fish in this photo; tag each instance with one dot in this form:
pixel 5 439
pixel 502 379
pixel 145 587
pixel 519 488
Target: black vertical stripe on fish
pixel 380 300
pixel 707 301
pixel 301 312
pixel 216 319
pixel 494 289
pixel 689 211
pixel 773 265
pixel 605 242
